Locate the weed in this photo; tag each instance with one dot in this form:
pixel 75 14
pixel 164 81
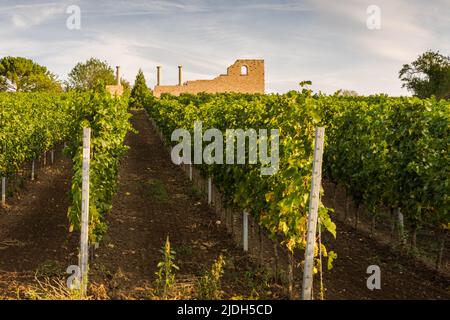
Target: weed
pixel 156 189
pixel 50 268
pixel 184 249
pixel 165 276
pixel 56 289
pixel 209 285
pixel 196 193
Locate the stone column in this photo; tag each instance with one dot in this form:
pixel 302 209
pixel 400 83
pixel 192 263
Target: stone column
pixel 118 75
pixel 180 82
pixel 158 75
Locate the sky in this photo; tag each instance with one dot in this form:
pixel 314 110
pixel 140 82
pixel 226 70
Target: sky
pixel 326 41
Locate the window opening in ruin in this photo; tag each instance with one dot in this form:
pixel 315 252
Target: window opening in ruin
pixel 244 70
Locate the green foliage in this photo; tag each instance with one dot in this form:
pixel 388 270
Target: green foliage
pixel 30 124
pixel 209 285
pixel 139 91
pixel 331 257
pixel 108 119
pixel 23 75
pixel 165 277
pixel 126 86
pixel 391 152
pixel 86 75
pixel 156 190
pixel 347 93
pixel 279 202
pixel 428 75
pixel 387 152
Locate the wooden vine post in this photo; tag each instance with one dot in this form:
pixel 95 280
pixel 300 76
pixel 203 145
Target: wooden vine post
pixel 84 239
pixel 245 231
pixel 3 191
pixel 209 191
pixel 32 171
pixel 313 214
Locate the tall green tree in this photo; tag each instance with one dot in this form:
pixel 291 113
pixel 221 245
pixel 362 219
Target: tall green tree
pixel 24 75
pixel 126 85
pixel 428 75
pixel 85 75
pixel 139 91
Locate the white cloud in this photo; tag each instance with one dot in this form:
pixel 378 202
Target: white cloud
pixel 323 41
pixel 31 15
pixel 18 21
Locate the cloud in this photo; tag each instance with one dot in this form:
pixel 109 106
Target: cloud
pixel 403 34
pixel 30 15
pixel 319 40
pixel 18 21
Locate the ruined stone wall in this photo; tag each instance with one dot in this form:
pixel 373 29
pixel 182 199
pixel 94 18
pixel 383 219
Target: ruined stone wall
pixel 233 81
pixel 115 90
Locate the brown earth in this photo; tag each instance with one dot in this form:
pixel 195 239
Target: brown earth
pixel 34 237
pixel 156 200
pixel 401 277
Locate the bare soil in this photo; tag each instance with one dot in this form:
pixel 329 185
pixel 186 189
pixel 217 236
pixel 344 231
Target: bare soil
pixel 34 237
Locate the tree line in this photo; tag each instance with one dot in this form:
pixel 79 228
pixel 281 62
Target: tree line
pixel 19 74
pixel 428 75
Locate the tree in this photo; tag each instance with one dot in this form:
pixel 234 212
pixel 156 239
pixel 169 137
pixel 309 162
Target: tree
pixel 139 91
pixel 126 85
pixel 84 76
pixel 346 93
pixel 428 75
pixel 22 74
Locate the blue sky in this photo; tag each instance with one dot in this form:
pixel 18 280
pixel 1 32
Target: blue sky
pixel 325 41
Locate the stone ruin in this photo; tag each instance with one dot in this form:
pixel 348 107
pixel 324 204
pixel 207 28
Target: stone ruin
pixel 243 76
pixel 116 89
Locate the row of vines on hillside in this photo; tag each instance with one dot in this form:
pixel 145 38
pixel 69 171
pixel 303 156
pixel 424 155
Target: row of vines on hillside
pixel 387 152
pixel 279 202
pixel 108 118
pixel 30 124
pixel 392 153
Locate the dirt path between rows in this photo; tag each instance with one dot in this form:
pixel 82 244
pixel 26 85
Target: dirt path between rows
pixel 155 200
pixel 34 235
